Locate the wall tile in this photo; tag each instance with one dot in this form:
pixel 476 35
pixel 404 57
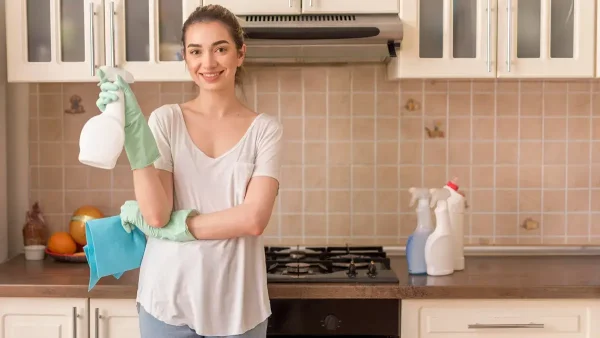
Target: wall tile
pixel 355 143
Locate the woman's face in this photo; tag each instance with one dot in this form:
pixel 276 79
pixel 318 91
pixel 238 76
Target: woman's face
pixel 211 56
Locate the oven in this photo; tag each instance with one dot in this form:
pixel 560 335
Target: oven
pixel 358 265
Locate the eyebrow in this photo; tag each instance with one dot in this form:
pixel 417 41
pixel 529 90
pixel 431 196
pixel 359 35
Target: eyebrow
pixel 213 44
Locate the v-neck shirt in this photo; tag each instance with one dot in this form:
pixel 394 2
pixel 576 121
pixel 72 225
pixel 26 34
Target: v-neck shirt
pixel 216 287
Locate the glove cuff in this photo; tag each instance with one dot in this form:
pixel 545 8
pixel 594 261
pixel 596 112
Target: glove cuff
pixel 140 145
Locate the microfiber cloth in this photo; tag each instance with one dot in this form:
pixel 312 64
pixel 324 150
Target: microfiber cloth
pixel 110 250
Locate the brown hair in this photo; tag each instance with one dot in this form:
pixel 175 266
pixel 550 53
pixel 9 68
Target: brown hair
pixel 219 13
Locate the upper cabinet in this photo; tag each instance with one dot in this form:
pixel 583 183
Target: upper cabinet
pixel 349 6
pixel 267 7
pixel 52 40
pixel 497 38
pixel 67 40
pixel 283 7
pixel 448 39
pixel 546 38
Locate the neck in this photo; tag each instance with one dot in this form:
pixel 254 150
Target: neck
pixel 217 104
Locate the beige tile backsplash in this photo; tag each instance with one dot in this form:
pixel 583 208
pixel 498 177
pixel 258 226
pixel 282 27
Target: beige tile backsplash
pixel 355 144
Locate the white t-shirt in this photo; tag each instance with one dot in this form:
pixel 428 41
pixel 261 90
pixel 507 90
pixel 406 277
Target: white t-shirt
pixel 216 287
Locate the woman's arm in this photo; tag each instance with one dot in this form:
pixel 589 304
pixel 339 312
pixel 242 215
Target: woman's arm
pixel 153 184
pixel 154 193
pixel 247 219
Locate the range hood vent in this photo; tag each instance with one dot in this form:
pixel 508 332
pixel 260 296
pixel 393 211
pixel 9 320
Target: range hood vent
pixel 322 38
pixel 302 18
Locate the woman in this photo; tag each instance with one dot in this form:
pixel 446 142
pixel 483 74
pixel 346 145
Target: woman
pixel 206 178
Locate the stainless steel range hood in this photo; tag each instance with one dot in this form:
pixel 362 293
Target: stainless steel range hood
pixel 321 38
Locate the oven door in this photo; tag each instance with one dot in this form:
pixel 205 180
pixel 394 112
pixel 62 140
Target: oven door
pixel 334 317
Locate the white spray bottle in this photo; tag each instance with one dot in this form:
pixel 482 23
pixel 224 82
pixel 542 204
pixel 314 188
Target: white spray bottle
pixel 439 255
pixel 103 136
pixel 415 245
pixel 456 209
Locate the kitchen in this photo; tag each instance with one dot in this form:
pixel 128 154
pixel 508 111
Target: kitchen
pixel 520 136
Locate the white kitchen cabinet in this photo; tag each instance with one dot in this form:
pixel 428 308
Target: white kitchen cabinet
pixel 66 40
pixel 114 318
pixel 549 318
pixel 270 7
pixel 463 39
pixel 443 39
pixel 546 38
pixel 53 40
pixel 43 318
pixel 287 7
pixel 349 6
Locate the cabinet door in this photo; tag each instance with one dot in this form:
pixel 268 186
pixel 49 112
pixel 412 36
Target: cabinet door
pixel 114 318
pixel 251 7
pixel 447 39
pixel 43 318
pixel 546 38
pixel 54 40
pixel 495 318
pixel 349 6
pixel 144 37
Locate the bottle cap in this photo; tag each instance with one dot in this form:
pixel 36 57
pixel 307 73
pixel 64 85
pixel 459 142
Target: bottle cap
pixel 453 185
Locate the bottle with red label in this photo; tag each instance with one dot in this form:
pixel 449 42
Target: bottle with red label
pixel 456 209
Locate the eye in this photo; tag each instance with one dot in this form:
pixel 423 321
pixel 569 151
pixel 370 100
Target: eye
pixel 221 49
pixel 194 51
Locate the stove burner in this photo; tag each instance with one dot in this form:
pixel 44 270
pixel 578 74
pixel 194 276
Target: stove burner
pixel 297 267
pixel 348 264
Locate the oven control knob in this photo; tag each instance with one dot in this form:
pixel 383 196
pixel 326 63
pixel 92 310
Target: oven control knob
pixel 331 322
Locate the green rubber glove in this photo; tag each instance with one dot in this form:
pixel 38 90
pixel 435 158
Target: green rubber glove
pixel 175 230
pixel 140 144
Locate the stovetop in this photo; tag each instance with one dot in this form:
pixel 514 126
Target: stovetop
pixel 328 264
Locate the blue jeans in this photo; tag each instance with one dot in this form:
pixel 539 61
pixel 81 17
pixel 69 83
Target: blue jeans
pixel 151 327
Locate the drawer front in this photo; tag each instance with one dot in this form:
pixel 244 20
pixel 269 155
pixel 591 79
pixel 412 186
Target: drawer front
pixel 501 319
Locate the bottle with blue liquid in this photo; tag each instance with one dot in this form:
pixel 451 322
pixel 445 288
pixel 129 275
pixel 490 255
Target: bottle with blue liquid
pixel 415 245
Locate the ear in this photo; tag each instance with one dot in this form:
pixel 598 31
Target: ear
pixel 241 55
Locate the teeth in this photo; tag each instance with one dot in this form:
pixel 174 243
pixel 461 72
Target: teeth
pixel 210 74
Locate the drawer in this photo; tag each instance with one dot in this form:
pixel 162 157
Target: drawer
pixel 500 318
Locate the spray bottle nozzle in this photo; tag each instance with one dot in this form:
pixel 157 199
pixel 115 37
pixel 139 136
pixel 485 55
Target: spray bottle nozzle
pixel 112 72
pixel 438 195
pixel 418 193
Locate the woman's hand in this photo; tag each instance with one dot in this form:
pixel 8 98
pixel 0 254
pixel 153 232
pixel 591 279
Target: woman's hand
pixel 175 230
pixel 140 144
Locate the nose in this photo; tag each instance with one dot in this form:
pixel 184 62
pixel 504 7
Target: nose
pixel 209 60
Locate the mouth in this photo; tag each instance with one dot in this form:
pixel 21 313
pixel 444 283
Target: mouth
pixel 212 76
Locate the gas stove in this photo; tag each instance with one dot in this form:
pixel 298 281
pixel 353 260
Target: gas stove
pixel 328 264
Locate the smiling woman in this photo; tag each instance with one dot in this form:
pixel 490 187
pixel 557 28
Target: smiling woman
pixel 209 194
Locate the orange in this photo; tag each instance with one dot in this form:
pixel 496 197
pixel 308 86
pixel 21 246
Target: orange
pixel 77 223
pixel 62 243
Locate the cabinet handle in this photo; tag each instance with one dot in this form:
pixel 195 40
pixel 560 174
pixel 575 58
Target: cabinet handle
pixel 508 33
pixel 506 326
pixel 290 3
pixel 92 42
pixel 310 3
pixel 97 322
pixel 75 316
pixel 112 33
pixel 489 37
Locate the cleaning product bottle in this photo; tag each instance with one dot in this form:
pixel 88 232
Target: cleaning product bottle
pixel 102 137
pixel 439 255
pixel 415 245
pixel 456 209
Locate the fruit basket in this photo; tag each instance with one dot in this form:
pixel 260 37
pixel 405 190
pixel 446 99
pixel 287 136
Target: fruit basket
pixel 78 257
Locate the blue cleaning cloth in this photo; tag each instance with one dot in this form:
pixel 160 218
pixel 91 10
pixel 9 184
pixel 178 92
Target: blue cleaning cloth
pixel 110 250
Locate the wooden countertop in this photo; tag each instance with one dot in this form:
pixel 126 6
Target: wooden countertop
pixel 483 278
